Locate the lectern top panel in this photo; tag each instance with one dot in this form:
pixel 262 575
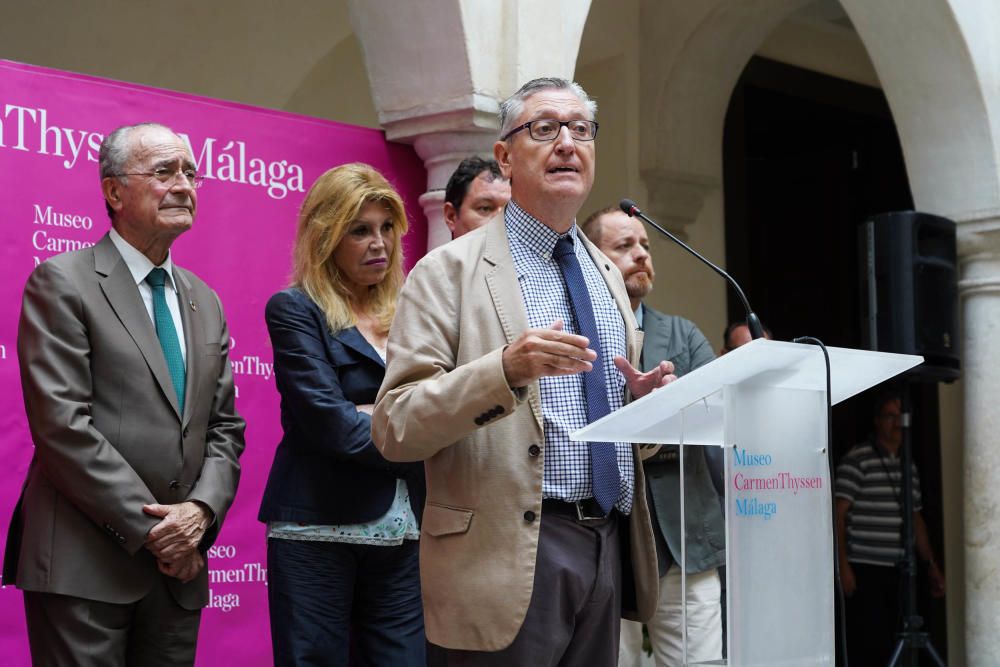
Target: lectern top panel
pixel 656 418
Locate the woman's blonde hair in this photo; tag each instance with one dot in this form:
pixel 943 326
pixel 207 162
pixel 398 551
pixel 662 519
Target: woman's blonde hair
pixel 333 202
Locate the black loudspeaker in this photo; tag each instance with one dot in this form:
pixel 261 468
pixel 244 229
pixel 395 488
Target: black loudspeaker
pixel 909 290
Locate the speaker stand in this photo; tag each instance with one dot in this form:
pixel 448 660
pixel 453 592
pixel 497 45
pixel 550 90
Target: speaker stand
pixel 912 639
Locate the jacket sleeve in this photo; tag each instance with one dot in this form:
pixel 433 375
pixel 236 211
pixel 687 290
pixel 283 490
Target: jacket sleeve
pixel 53 350
pixel 427 401
pixel 328 423
pixel 224 443
pixel 701 349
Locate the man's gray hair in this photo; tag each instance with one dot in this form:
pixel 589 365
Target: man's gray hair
pixel 512 107
pixel 116 149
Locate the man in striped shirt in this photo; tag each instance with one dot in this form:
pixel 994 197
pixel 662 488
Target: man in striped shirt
pixel 869 528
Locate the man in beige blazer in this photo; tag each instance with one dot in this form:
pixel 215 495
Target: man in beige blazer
pixel 129 398
pixel 519 564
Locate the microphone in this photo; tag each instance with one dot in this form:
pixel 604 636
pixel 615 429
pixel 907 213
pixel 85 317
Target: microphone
pixel 753 322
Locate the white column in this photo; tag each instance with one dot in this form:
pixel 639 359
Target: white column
pixel 442 139
pixel 439 68
pixel 979 288
pixel 441 153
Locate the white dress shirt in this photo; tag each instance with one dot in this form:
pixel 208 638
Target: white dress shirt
pixel 139 266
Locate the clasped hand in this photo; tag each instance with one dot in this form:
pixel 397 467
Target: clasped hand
pixel 174 540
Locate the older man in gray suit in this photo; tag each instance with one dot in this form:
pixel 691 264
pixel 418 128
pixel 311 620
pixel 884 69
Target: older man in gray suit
pixel 624 241
pixel 129 396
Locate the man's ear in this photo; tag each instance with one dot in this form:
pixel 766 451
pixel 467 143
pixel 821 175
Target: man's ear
pixel 112 188
pixel 450 216
pixel 501 152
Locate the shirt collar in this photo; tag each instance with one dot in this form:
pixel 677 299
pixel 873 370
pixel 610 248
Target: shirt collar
pixel 534 234
pixel 138 264
pixel 882 451
pixel 638 314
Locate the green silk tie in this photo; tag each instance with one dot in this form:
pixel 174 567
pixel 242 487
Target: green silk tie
pixel 167 334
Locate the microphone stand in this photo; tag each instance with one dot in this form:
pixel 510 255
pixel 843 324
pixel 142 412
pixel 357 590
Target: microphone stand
pixel 753 322
pixel 756 331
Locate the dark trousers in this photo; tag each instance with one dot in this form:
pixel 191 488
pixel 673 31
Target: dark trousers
pixel 329 601
pixel 873 615
pixel 65 630
pixel 574 618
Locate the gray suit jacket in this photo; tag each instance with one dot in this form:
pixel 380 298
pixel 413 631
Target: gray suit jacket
pixel 107 431
pixel 445 400
pixel 679 340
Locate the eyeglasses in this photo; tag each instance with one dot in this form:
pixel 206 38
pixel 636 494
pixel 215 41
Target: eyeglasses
pixel 547 129
pixel 169 176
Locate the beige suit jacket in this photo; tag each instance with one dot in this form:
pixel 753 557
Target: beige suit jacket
pixel 107 431
pixel 445 400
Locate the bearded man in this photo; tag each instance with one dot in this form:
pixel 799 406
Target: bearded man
pixel 623 239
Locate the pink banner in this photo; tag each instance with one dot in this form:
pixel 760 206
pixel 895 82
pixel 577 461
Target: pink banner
pixel 259 164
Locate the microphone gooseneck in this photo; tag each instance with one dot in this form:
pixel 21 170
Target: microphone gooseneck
pixel 753 322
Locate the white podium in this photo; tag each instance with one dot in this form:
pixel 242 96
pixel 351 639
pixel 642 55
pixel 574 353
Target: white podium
pixel 765 403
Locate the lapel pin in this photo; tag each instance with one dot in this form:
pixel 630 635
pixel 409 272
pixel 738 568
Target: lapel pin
pixel 193 305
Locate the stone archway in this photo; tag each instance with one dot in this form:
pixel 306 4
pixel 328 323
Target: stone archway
pixel 938 65
pixel 937 62
pixel 692 57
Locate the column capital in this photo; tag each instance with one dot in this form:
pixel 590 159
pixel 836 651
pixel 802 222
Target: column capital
pixel 676 198
pixel 439 68
pixel 469 113
pixel 441 153
pixel 978 248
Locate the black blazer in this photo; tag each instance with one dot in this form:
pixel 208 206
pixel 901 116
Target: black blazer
pixel 326 469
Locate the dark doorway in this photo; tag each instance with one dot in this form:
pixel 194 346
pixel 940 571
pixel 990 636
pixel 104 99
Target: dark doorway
pixel 807 158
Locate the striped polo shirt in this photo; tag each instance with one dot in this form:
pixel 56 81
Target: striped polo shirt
pixel 870 478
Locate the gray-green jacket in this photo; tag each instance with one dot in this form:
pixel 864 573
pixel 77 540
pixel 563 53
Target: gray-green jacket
pixel 679 340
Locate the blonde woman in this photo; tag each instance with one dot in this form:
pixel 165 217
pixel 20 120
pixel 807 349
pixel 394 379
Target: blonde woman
pixel 342 521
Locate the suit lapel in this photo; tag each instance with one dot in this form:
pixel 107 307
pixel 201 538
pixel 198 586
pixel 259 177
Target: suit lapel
pixel 122 294
pixel 194 340
pixel 353 339
pixel 501 281
pixel 655 346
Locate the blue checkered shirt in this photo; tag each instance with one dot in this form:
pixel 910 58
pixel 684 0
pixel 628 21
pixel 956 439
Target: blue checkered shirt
pixel 564 405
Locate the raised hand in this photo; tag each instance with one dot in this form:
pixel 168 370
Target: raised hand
pixel 546 352
pixel 640 384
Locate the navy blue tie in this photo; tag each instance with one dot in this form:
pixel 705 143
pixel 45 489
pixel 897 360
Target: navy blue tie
pixel 604 475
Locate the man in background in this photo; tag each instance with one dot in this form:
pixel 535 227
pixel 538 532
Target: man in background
pixel 737 334
pixel 476 192
pixel 869 514
pixel 623 239
pixel 129 398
